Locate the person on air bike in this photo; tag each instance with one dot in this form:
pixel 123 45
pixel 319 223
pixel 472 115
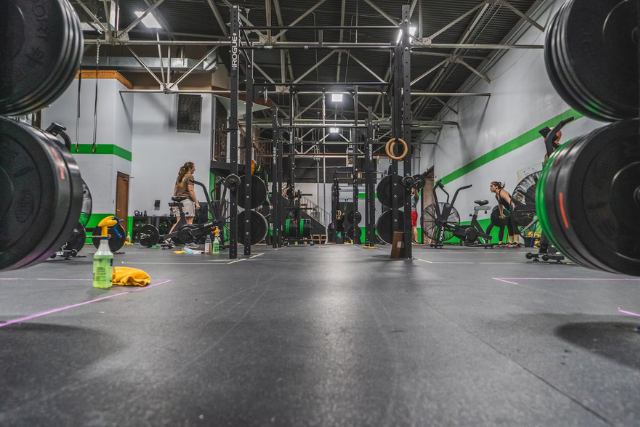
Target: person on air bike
pixel 184 188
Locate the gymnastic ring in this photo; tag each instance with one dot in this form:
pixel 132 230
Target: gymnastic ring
pixel 389 148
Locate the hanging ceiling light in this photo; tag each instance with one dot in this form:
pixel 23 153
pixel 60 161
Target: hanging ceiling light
pixel 149 21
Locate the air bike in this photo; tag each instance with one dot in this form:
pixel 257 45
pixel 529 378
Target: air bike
pixel 184 233
pixel 441 221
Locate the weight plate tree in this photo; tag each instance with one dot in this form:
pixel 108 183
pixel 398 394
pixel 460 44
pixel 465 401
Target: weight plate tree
pixel 42 46
pixel 41 193
pixel 385 190
pixel 588 199
pixel 117 237
pixel 258 223
pixel 523 199
pixel 595 71
pixel 429 221
pixel 258 191
pixel 385 228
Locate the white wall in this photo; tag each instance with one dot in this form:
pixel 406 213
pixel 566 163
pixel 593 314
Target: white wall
pixel 114 127
pixel 159 151
pixel 522 98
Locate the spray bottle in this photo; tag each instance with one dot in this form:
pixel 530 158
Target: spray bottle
pixel 216 243
pixel 103 259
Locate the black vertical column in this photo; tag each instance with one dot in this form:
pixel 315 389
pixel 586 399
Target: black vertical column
pixel 279 199
pixel 370 204
pixel 354 141
pixel 248 150
pixel 275 196
pixel 397 191
pixel 406 124
pixel 292 144
pixel 233 128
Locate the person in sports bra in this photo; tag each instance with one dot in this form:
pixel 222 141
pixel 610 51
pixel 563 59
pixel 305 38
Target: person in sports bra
pixel 504 203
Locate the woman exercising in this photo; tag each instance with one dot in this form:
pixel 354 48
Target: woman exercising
pixel 504 201
pixel 184 188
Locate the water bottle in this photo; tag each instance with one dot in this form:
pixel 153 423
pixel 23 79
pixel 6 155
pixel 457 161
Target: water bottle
pixel 207 245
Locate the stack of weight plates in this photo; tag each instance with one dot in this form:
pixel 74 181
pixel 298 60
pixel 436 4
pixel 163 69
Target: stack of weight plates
pixel 41 46
pixel 588 199
pixel 592 59
pixel 41 192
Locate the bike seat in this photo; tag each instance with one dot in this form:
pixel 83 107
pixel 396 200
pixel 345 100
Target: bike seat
pixel 481 202
pixel 178 199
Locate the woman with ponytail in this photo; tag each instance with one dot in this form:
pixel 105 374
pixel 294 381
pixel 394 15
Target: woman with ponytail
pixel 184 188
pixel 504 201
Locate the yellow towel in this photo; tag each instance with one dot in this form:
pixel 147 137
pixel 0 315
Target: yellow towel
pixel 127 276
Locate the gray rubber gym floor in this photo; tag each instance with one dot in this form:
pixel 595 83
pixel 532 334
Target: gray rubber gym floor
pixel 320 336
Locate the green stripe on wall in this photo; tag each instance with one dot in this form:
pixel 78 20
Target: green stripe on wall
pixel 363 196
pixel 510 146
pixel 103 149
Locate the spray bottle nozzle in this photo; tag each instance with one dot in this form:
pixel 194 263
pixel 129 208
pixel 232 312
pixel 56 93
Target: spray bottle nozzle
pixel 110 221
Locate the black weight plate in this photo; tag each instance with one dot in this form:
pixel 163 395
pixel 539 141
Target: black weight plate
pixel 601 198
pixel 258 191
pixel 354 233
pixel 552 201
pixel 33 49
pixel 562 169
pixel 385 189
pixel 149 236
pixel 87 205
pixel 496 220
pixel 259 227
pixel 77 240
pixel 603 61
pixel 591 108
pixel 552 65
pixel 115 242
pixel 384 225
pixel 41 193
pixel 354 218
pixel 67 71
pixel 49 90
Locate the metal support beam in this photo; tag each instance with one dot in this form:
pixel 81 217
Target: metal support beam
pixel 184 76
pixel 137 21
pixel 429 71
pixel 454 22
pixel 367 68
pixel 446 105
pixel 354 141
pixel 300 18
pixel 473 70
pixel 308 107
pixel 93 17
pixel 216 13
pixel 145 67
pixel 520 14
pixel 381 12
pixel 315 66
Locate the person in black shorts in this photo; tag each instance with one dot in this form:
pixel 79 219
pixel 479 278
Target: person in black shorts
pixel 504 202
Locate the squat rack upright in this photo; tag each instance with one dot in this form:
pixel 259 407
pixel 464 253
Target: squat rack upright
pixel 398 91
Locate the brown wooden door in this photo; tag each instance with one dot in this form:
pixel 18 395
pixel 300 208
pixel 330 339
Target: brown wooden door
pixel 122 199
